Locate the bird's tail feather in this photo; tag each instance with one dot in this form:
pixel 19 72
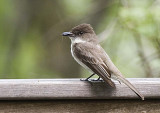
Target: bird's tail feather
pixel 125 81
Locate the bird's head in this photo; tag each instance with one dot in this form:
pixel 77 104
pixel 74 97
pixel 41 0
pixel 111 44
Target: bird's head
pixel 83 31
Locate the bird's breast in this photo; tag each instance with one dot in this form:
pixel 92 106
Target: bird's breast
pixel 73 45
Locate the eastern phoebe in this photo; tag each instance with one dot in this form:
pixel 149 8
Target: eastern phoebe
pixel 87 51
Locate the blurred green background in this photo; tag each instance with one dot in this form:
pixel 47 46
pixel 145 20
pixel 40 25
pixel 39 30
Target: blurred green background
pixel 31 45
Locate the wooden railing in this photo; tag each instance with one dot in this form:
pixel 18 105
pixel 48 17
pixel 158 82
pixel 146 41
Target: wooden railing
pixel 73 95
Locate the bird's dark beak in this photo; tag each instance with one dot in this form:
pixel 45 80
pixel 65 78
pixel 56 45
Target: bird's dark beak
pixel 67 34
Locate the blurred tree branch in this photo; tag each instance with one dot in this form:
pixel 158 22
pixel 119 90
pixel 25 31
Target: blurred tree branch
pixel 145 63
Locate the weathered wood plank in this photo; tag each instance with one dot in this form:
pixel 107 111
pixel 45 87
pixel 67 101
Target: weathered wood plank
pixel 80 106
pixel 23 89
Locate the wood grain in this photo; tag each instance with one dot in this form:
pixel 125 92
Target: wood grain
pixel 80 106
pixel 36 89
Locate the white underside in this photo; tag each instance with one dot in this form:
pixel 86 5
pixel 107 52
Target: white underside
pixel 78 40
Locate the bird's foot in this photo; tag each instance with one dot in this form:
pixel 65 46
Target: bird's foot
pixel 98 79
pixel 87 79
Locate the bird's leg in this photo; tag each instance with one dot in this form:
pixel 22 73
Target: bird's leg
pixel 98 79
pixel 87 78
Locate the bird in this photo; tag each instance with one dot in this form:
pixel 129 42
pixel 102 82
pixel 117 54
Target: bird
pixel 87 51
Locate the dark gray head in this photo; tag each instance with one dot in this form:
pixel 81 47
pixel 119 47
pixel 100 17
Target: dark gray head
pixel 82 31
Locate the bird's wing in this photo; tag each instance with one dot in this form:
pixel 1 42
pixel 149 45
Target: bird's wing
pixel 91 57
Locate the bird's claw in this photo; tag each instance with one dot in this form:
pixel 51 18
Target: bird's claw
pixel 98 79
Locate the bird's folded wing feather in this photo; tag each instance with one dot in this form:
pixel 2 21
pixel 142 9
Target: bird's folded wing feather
pixel 92 59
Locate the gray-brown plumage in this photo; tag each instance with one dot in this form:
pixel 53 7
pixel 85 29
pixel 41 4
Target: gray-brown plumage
pixel 88 53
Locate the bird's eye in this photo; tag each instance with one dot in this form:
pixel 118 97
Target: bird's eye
pixel 80 33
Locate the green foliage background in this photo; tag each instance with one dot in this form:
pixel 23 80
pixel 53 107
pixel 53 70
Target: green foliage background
pixel 31 45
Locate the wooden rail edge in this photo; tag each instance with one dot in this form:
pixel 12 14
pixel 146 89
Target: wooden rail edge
pixel 41 89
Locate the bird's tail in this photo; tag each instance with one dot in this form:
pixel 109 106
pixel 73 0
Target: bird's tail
pixel 126 82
